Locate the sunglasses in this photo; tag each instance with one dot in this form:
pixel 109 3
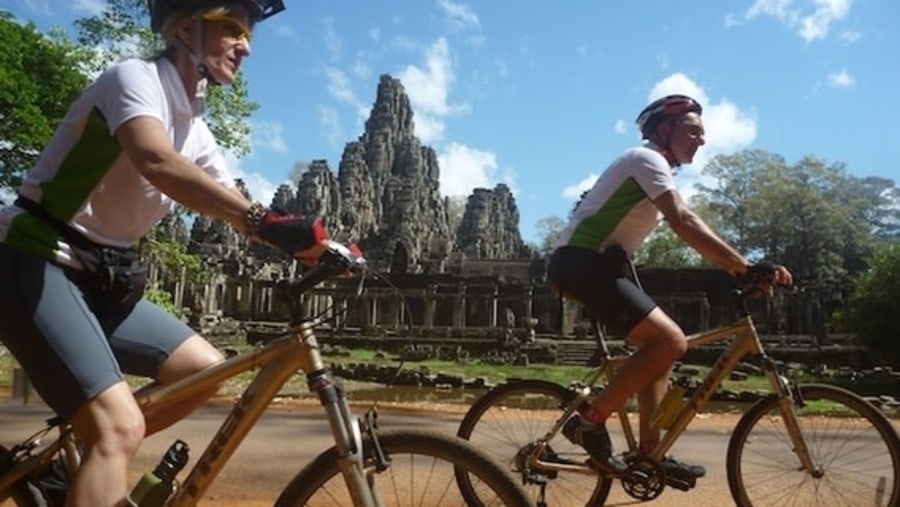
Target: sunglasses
pixel 234 28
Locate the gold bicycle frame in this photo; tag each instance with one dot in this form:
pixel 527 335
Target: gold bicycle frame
pixel 277 360
pixel 745 343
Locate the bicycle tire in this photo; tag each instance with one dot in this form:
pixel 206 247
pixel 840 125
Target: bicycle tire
pixel 856 448
pixel 321 482
pixel 508 419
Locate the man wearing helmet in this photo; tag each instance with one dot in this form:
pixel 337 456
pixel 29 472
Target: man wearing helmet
pixel 132 145
pixel 591 264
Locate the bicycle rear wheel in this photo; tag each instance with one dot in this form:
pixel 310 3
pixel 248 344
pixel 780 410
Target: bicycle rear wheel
pixel 421 472
pixel 853 445
pixel 509 419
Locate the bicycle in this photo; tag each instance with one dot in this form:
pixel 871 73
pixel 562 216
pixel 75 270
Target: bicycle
pixel 365 467
pixel 783 451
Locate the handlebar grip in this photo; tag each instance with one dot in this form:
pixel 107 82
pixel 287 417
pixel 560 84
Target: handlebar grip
pixel 336 260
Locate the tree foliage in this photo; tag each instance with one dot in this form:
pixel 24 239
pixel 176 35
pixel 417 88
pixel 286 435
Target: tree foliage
pixel 39 78
pixel 548 229
pixel 664 249
pixel 811 216
pixel 876 301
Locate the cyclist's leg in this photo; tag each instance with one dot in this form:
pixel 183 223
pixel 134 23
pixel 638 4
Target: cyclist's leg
pixel 660 343
pixel 648 399
pixel 153 343
pixel 599 281
pixel 49 328
pixel 111 427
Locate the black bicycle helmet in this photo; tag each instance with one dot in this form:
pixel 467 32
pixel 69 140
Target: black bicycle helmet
pixel 258 9
pixel 664 108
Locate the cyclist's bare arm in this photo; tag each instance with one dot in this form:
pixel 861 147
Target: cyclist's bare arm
pixel 694 231
pixel 147 144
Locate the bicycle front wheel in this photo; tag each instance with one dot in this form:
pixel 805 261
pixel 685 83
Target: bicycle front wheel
pixel 854 448
pixel 507 422
pixel 421 472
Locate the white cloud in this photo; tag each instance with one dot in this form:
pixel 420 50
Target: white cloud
pixel 331 40
pixel 841 79
pixel 260 188
pixel 330 120
pixel 460 15
pixel 621 126
pixel 269 136
pixel 849 37
pixel 811 22
pixel 816 25
pixel 429 128
pixel 428 90
pixel 573 192
pixel 729 128
pixel 91 7
pixel 464 168
pixel 340 87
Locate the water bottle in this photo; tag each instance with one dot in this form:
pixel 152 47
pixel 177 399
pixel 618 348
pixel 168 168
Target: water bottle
pixel 157 486
pixel 665 413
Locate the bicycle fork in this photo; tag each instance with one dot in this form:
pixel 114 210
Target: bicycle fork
pixel 789 398
pixel 348 438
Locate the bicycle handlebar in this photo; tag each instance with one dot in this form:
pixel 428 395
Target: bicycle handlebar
pixel 337 260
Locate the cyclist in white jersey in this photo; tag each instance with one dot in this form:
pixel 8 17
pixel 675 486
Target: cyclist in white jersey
pixel 591 265
pixel 71 282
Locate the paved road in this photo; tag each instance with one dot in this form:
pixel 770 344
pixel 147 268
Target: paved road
pixel 289 437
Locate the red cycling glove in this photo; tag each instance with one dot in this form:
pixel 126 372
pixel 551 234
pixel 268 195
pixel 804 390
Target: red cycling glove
pixel 290 233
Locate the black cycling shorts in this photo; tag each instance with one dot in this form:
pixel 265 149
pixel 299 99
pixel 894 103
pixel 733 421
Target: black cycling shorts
pixel 600 282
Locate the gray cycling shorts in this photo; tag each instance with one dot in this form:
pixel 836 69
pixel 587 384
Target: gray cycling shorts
pixel 49 328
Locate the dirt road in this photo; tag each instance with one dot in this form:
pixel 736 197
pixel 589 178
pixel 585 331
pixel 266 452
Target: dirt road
pixel 293 434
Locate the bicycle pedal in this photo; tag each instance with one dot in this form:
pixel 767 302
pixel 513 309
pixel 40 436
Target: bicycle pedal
pixel 680 484
pixel 535 478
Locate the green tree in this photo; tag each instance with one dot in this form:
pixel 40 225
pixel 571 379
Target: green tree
pixel 875 302
pixel 664 249
pixel 811 216
pixel 732 206
pixel 39 78
pixel 548 231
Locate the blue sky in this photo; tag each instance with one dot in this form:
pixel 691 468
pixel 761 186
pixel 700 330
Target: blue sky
pixel 543 95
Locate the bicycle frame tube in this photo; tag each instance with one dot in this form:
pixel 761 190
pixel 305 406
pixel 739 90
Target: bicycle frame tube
pixel 9 478
pixel 278 361
pixel 746 342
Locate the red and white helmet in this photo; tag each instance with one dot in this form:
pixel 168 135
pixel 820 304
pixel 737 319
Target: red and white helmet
pixel 257 9
pixel 664 108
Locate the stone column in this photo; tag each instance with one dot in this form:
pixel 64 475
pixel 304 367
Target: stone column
pixel 459 307
pixel 373 311
pixel 392 311
pixel 429 296
pixel 529 302
pixel 494 307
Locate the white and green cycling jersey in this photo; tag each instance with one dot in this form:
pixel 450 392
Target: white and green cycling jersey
pixel 619 208
pixel 83 177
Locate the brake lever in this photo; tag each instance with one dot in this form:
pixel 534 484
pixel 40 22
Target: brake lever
pixel 349 256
